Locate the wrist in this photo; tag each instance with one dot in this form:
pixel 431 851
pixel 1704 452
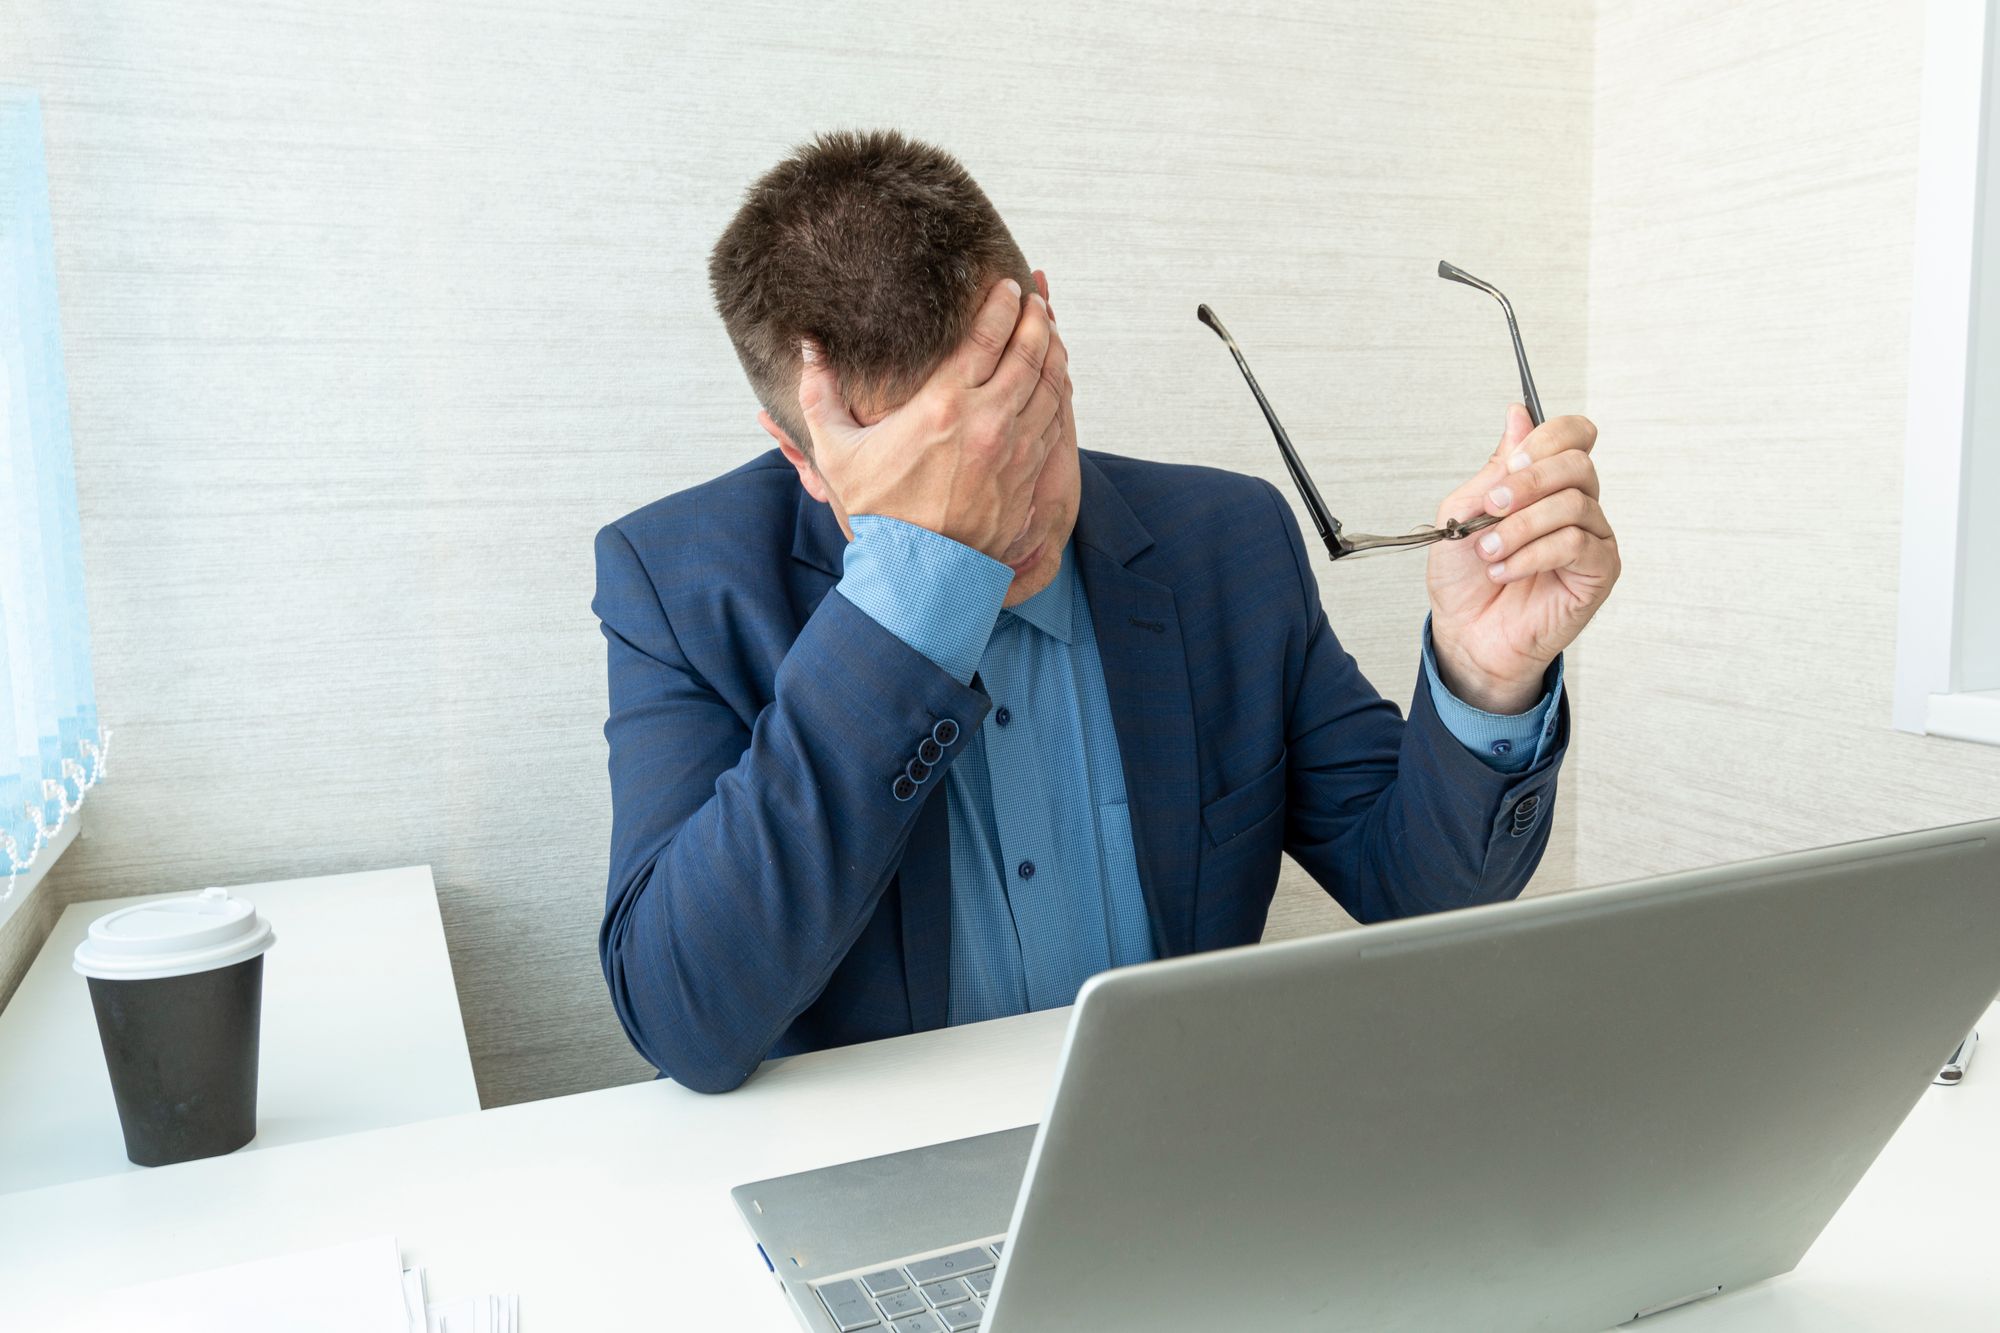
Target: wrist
pixel 1500 695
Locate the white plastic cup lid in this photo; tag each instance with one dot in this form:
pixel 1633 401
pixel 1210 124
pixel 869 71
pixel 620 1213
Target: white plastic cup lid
pixel 171 937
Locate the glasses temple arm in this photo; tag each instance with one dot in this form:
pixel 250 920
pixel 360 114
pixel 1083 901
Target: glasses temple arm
pixel 1530 399
pixel 1328 525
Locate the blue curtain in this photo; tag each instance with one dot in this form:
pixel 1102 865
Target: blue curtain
pixel 50 749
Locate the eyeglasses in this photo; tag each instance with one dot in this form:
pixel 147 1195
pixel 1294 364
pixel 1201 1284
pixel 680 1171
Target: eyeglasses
pixel 1340 544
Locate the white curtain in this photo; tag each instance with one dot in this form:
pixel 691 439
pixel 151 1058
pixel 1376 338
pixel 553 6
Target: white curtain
pixel 50 749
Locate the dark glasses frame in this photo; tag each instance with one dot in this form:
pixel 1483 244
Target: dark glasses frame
pixel 1340 543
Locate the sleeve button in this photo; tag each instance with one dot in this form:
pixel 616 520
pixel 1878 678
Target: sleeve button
pixel 945 732
pixel 929 750
pixel 917 770
pixel 903 789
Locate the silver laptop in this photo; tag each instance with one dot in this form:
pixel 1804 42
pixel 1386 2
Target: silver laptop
pixel 1556 1114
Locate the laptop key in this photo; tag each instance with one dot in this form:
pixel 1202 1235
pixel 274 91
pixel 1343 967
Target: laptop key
pixel 849 1305
pixel 997 1246
pixel 918 1323
pixel 981 1283
pixel 956 1264
pixel 960 1317
pixel 948 1292
pixel 899 1303
pixel 884 1282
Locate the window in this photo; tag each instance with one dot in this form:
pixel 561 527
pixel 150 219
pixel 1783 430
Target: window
pixel 1948 628
pixel 50 749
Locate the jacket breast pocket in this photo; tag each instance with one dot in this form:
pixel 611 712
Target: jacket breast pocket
pixel 1230 816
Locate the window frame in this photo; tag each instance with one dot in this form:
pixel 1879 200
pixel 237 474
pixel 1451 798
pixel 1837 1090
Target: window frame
pixel 1959 97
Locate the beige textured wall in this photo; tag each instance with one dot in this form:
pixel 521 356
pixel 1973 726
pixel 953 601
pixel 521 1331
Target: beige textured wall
pixel 1754 181
pixel 374 312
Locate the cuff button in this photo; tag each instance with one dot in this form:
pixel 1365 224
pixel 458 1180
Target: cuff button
pixel 917 770
pixel 903 789
pixel 945 732
pixel 929 750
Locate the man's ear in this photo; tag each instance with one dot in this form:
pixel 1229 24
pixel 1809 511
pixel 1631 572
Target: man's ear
pixel 808 474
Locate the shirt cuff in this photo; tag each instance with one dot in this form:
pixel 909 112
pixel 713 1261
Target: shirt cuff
pixel 939 596
pixel 1507 742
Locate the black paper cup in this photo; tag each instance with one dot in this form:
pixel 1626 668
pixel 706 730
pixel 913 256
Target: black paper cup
pixel 182 1054
pixel 178 986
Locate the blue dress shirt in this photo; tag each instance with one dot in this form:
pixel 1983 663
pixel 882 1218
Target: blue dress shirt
pixel 1044 881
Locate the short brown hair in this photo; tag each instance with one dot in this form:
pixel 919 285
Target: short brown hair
pixel 874 245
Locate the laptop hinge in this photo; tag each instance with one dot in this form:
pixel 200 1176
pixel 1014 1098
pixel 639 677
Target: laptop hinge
pixel 1677 1302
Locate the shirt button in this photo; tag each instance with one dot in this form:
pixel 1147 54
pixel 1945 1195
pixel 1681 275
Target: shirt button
pixel 1002 717
pixel 1502 746
pixel 1026 870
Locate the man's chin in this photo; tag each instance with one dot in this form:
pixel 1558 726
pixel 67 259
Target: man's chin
pixel 1032 579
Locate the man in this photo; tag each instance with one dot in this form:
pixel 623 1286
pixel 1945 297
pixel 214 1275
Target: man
pixel 925 716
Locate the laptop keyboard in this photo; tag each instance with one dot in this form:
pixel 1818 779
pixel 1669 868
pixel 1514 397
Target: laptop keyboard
pixel 945 1293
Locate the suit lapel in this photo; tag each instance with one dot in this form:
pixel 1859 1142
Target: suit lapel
pixel 1152 705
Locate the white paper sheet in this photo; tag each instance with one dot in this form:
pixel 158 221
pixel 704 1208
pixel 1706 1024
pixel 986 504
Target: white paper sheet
pixel 351 1288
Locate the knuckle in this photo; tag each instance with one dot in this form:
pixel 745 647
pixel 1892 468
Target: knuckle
pixel 1569 470
pixel 1055 368
pixel 991 434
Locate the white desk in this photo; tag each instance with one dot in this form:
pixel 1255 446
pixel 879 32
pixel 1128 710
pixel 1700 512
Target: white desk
pixel 361 1028
pixel 611 1209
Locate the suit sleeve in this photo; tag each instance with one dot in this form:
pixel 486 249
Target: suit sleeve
pixel 746 859
pixel 1393 817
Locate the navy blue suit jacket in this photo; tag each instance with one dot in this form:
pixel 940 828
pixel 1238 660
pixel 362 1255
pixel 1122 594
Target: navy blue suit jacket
pixel 768 892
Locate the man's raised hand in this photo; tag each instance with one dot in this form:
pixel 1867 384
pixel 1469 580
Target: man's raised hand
pixel 1505 601
pixel 962 455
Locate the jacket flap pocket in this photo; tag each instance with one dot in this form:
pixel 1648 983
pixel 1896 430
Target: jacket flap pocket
pixel 1226 816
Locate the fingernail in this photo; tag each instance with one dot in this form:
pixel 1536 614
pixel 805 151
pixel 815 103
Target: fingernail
pixel 1519 460
pixel 807 352
pixel 1490 543
pixel 1497 572
pixel 1040 304
pixel 1012 286
pixel 1500 497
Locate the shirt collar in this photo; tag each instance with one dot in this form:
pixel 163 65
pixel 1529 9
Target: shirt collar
pixel 1049 609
